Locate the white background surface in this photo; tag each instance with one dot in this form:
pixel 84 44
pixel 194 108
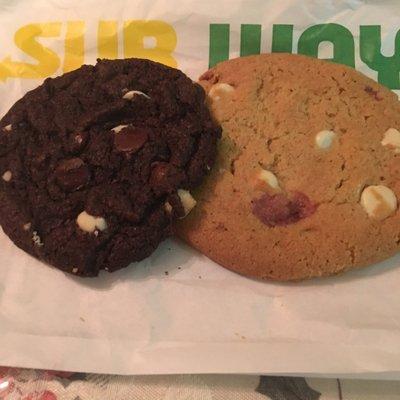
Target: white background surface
pixel 200 317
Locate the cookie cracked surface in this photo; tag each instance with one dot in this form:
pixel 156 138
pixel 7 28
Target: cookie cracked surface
pixel 308 176
pixel 88 161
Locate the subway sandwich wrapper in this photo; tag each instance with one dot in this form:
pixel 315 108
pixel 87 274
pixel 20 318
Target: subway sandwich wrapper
pixel 178 312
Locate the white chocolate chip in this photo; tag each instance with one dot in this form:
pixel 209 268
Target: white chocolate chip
pixel 36 239
pixel 119 128
pixel 7 128
pixel 220 89
pixel 89 223
pixel 132 93
pixel 7 176
pixel 378 201
pixel 187 200
pixel 266 179
pixel 27 226
pixel 324 139
pixel 392 139
pixel 74 270
pixel 101 224
pixel 168 207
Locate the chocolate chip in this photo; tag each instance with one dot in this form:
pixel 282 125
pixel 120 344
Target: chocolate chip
pixel 165 177
pixel 131 139
pixel 159 171
pixel 72 174
pixel 279 209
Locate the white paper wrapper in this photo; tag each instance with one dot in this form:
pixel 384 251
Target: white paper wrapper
pixel 199 318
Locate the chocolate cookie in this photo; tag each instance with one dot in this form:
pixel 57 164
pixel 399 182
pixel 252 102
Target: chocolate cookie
pixel 307 179
pixel 96 164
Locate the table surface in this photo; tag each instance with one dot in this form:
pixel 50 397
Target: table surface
pixel 27 384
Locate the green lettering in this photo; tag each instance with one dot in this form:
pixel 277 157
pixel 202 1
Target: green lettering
pixel 250 39
pixel 282 38
pixel 370 52
pixel 219 44
pixel 338 35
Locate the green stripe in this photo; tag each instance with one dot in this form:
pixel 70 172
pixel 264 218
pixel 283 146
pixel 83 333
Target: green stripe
pixel 219 43
pixel 282 38
pixel 250 39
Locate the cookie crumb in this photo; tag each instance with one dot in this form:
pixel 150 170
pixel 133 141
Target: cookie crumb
pixel 27 226
pixel 36 239
pixel 7 128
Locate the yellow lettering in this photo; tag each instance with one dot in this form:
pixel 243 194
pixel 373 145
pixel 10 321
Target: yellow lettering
pixel 74 46
pixel 25 39
pixel 164 35
pixel 107 39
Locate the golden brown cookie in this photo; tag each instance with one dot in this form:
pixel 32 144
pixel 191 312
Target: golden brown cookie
pixel 307 179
